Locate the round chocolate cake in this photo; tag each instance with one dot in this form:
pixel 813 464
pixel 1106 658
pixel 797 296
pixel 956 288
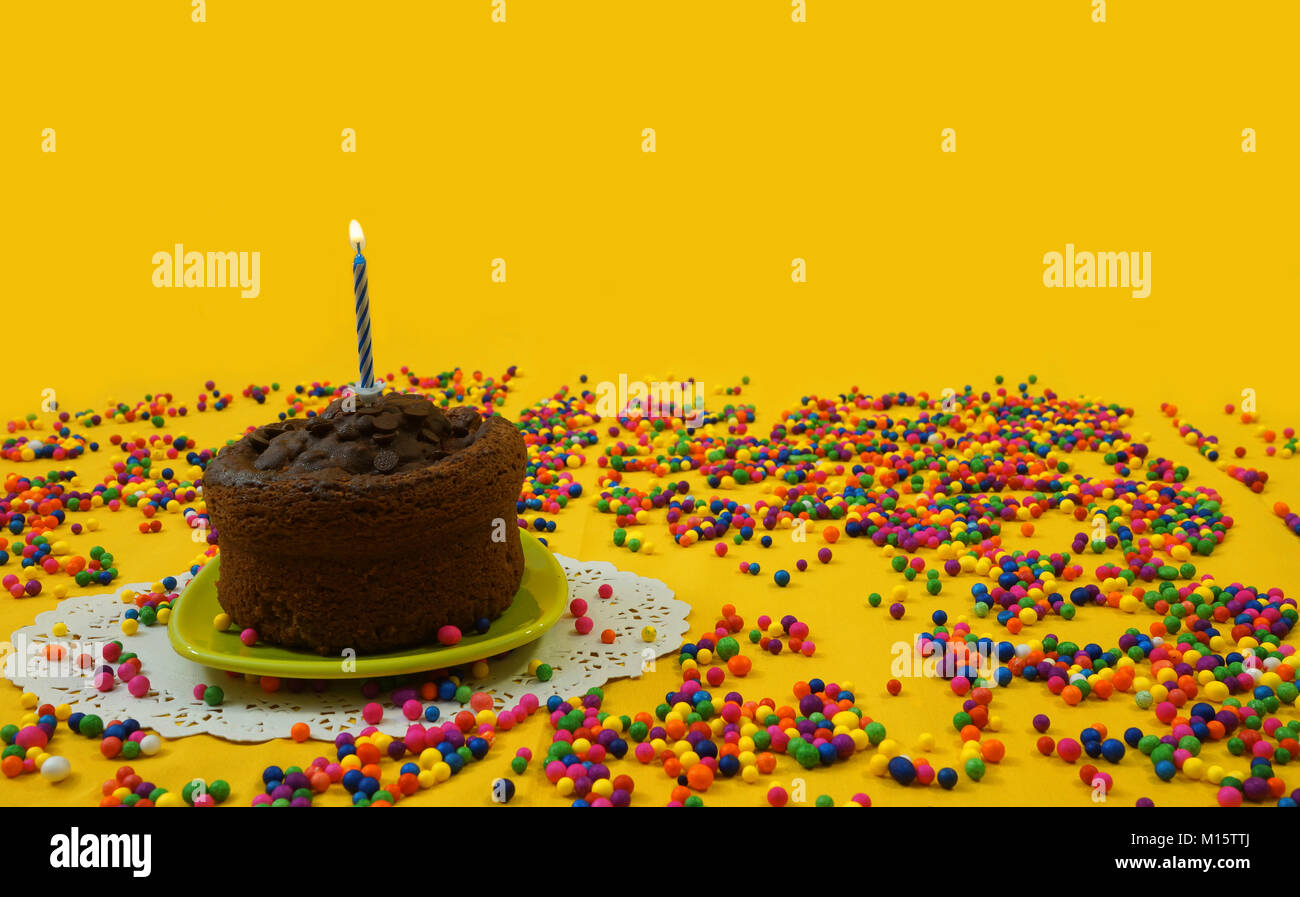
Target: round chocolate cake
pixel 368 529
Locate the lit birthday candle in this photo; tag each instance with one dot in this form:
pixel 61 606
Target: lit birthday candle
pixel 365 359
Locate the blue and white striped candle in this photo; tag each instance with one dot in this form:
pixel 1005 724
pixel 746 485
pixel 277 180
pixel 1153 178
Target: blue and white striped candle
pixel 365 359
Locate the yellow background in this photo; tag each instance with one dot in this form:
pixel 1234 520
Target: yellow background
pixel 775 140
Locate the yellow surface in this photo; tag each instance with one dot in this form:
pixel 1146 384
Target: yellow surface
pixel 775 141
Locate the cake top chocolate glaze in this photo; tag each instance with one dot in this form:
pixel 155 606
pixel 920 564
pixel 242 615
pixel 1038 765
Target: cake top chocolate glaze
pixel 392 434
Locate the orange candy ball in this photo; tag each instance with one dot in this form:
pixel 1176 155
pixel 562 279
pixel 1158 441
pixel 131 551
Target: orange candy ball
pixel 993 751
pixel 739 665
pixel 699 777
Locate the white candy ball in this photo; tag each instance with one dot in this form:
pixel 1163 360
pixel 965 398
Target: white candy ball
pixel 56 768
pixel 150 745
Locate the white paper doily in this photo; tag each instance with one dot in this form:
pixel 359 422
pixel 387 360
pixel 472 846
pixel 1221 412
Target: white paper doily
pixel 251 715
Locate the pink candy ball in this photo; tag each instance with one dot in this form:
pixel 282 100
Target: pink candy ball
pixel 412 709
pixel 1068 749
pixel 248 637
pixel 584 625
pixel 415 739
pixel 138 686
pixel 1229 797
pixel 372 713
pixel 449 635
pixel 199 690
pixel 31 736
pixel 578 607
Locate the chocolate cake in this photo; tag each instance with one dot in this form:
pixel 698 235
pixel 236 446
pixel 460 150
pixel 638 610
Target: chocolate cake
pixel 368 529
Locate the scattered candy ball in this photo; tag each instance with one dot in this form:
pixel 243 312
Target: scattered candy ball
pixel 503 790
pixel 55 768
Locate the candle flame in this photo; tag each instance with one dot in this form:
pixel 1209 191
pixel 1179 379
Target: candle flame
pixel 355 237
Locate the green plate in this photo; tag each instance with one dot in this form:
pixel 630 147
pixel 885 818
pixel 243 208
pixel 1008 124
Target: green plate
pixel 541 599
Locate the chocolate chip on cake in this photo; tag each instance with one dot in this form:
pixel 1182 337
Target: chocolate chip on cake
pixel 385 460
pixel 464 420
pixel 283 449
pixel 417 411
pixel 437 422
pixel 387 421
pixel 410 428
